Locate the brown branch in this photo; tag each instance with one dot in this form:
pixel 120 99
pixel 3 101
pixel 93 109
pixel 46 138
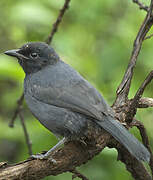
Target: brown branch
pixel 136 168
pixel 141 5
pixel 145 102
pixel 57 22
pixel 143 133
pixel 19 104
pixel 28 142
pixel 135 101
pixel 148 37
pixel 11 124
pixel 73 154
pixel 140 91
pixel 3 164
pixel 124 87
pixel 145 140
pixel 78 174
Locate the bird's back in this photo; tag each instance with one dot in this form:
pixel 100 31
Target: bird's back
pixel 62 81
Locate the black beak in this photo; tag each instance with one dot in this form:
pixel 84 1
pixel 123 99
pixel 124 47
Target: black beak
pixel 15 53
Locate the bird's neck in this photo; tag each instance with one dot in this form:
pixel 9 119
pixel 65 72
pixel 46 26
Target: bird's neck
pixel 30 68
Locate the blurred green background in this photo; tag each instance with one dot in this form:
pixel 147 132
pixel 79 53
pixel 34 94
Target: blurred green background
pixel 96 38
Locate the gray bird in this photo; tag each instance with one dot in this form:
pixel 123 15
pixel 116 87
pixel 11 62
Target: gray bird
pixel 64 102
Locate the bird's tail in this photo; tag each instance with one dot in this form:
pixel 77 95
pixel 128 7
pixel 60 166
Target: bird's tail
pixel 121 134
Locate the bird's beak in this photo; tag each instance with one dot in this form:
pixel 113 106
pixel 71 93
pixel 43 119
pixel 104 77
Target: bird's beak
pixel 15 53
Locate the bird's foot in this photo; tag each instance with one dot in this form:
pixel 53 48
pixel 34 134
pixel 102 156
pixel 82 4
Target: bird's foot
pixel 47 155
pixel 83 142
pixel 38 156
pixel 44 156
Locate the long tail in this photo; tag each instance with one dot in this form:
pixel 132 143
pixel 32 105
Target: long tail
pixel 121 134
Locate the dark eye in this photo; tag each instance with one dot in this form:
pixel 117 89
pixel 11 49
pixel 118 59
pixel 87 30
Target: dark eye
pixel 34 55
pixel 45 61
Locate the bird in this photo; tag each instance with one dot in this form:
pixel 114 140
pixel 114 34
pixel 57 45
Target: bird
pixel 65 102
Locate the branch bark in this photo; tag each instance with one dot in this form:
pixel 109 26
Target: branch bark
pixel 145 102
pixel 141 5
pixel 145 140
pixel 72 155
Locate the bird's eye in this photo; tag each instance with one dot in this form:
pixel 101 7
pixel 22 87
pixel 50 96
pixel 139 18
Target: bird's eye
pixel 34 55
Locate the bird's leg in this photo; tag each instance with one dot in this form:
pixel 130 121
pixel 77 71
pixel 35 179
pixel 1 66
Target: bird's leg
pixel 47 154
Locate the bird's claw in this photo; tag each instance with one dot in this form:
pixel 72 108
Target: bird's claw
pixel 43 156
pixel 38 156
pixel 83 142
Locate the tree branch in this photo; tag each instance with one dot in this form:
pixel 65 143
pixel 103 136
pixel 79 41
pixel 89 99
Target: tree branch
pixel 141 5
pixel 134 103
pixel 78 174
pixel 145 102
pixel 137 169
pixel 28 142
pixel 123 89
pixel 57 22
pixel 145 140
pixel 140 91
pixel 17 110
pixel 148 37
pixel 72 155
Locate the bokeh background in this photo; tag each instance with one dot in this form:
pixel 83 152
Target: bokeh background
pixel 96 38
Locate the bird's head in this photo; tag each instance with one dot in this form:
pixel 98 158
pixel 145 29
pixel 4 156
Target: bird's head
pixel 34 56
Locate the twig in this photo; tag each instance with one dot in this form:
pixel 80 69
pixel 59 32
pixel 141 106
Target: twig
pixel 140 91
pixel 148 37
pixel 57 22
pixel 141 5
pixel 145 140
pixel 123 89
pixel 3 164
pixel 143 132
pixel 145 102
pixel 135 101
pixel 28 142
pixel 19 104
pixel 136 168
pixel 11 124
pixel 78 174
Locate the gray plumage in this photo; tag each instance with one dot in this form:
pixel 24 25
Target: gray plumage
pixel 64 102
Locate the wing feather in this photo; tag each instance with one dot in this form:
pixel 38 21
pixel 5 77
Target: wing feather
pixel 68 89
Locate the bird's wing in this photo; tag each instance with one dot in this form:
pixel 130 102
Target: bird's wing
pixel 73 92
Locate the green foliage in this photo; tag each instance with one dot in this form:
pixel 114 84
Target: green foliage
pixel 96 38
